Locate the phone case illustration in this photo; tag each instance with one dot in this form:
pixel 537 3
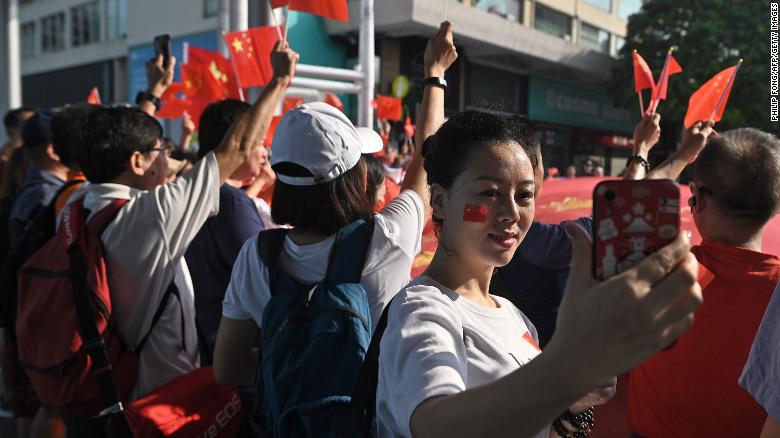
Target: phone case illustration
pixel 632 220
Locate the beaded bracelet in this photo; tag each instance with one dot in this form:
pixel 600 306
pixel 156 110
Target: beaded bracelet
pixel 642 161
pixel 583 422
pixel 565 433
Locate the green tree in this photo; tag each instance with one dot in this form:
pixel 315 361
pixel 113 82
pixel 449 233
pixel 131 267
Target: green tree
pixel 708 36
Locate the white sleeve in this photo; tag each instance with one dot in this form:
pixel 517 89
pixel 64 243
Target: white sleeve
pixel 403 220
pixel 422 355
pixel 247 294
pixel 183 206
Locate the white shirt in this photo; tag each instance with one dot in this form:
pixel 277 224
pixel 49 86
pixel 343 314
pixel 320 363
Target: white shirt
pixel 396 241
pixel 439 343
pixel 144 247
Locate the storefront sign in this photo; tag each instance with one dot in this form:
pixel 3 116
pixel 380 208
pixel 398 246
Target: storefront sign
pixel 558 102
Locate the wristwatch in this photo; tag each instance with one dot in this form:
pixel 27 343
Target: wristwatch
pixel 436 82
pixel 143 96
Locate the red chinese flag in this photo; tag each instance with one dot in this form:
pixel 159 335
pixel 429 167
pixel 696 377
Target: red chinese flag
pixel 269 135
pixel 703 102
pixel 409 128
pixel 333 9
pixel 172 91
pixel 672 68
pixel 333 100
pixel 279 3
pixel 172 108
pixel 215 72
pixel 388 107
pixel 94 96
pixel 643 77
pixel 291 102
pixel 475 213
pixel 250 51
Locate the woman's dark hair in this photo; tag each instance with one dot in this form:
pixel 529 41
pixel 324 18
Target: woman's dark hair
pixel 111 137
pixel 324 208
pixel 215 122
pixel 375 172
pixel 447 152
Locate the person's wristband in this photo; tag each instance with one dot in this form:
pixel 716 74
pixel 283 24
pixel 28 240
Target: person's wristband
pixel 641 160
pixel 144 96
pixel 436 81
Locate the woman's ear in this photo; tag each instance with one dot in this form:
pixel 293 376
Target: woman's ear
pixel 438 201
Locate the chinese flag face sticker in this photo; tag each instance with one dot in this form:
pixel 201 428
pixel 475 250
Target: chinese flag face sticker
pixel 474 213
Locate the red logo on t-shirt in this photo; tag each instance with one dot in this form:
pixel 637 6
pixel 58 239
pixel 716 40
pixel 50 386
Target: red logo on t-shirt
pixel 527 336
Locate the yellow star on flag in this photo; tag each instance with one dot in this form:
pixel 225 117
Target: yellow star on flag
pixel 237 46
pixel 215 71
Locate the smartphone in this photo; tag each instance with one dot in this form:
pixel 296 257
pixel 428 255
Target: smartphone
pixel 632 219
pixel 162 46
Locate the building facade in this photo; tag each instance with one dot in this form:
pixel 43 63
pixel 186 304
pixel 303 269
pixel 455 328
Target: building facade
pixel 548 60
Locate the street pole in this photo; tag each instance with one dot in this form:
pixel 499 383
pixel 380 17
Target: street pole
pixel 239 15
pixel 366 50
pixel 14 70
pixel 223 25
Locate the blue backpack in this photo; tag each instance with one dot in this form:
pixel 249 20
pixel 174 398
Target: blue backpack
pixel 313 338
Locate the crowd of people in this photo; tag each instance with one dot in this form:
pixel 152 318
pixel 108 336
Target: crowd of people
pixel 286 268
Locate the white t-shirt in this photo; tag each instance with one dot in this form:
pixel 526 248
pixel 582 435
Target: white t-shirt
pixel 395 243
pixel 144 247
pixel 439 343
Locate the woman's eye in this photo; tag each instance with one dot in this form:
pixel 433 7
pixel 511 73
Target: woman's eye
pixel 526 195
pixel 491 193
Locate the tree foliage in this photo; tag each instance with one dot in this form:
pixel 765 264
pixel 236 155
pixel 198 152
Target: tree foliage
pixel 708 36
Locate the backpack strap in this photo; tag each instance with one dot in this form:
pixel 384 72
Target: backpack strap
pixel 269 248
pixel 362 407
pixel 94 346
pixel 172 290
pixel 350 252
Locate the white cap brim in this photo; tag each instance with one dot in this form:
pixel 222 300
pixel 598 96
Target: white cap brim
pixel 370 141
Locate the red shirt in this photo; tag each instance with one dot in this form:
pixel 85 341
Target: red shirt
pixel 691 390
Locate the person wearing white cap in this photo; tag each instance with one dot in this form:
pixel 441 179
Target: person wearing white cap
pixel 321 188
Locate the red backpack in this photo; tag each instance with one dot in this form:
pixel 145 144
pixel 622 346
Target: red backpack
pixel 54 319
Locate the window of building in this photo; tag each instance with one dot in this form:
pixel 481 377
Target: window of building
pixel 53 32
pixel 550 21
pixel 628 7
pixel 619 43
pixel 116 19
pixel 210 8
pixel 594 38
pixel 29 40
pixel 85 24
pixel 509 9
pixel 601 4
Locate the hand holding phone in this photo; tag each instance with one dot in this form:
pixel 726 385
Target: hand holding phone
pixel 632 219
pixel 162 47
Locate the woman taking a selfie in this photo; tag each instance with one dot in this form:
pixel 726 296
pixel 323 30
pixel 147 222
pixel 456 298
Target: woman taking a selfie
pixel 457 361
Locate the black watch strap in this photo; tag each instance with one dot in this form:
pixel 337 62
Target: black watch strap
pixel 144 96
pixel 436 82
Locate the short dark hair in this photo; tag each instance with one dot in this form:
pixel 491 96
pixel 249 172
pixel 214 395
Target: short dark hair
pixel 324 208
pixel 741 168
pixel 375 175
pixel 447 152
pixel 13 118
pixel 215 122
pixel 68 131
pixel 112 135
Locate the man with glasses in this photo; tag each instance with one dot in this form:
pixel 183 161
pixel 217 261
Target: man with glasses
pixel 124 158
pixel 691 389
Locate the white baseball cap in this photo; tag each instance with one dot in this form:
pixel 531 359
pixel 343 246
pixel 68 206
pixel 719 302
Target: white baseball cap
pixel 321 139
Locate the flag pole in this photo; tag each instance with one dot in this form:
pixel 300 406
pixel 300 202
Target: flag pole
pixel 286 22
pixel 657 99
pixel 641 104
pixel 445 9
pixel 276 21
pixel 235 70
pixel 723 93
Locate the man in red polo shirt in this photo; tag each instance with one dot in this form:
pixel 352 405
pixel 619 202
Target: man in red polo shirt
pixel 691 389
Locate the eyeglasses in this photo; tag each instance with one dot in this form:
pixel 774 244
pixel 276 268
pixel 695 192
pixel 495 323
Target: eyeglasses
pixel 702 188
pixel 163 149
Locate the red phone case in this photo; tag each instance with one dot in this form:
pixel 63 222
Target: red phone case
pixel 632 219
